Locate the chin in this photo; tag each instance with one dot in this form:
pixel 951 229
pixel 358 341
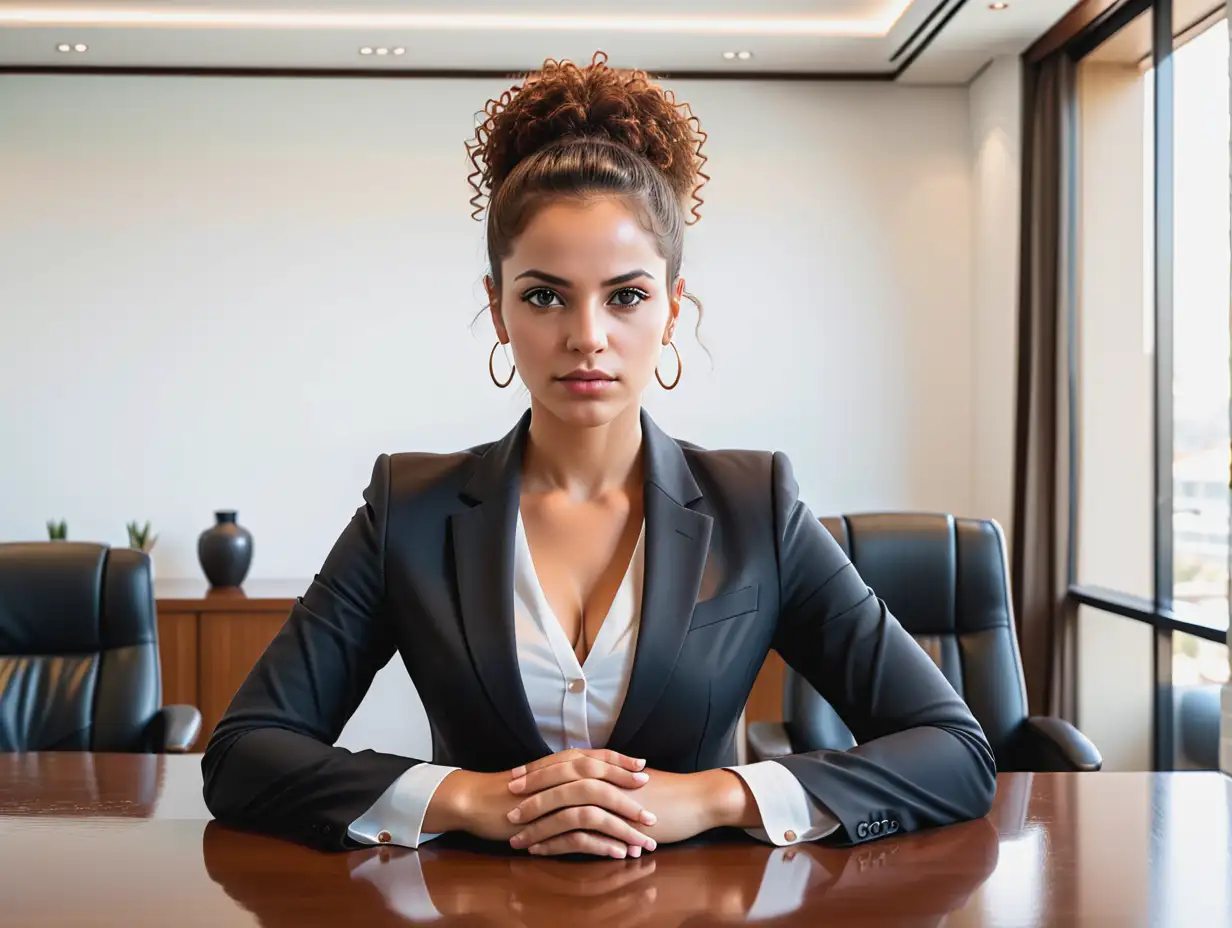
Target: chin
pixel 585 413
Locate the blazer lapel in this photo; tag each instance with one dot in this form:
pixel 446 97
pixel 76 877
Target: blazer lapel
pixel 677 543
pixel 482 538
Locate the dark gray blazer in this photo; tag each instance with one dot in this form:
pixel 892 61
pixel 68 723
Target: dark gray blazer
pixel 735 565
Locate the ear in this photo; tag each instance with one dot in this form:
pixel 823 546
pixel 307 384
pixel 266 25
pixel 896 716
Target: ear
pixel 494 308
pixel 673 314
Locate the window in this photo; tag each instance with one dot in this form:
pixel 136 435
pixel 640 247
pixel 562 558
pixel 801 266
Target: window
pixel 1152 462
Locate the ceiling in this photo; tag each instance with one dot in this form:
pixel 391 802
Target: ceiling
pixel 917 41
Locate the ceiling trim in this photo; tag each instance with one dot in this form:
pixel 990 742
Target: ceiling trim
pixel 920 49
pixel 512 74
pixel 1083 16
pixel 915 34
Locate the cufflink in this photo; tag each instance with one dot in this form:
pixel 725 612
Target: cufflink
pixel 384 837
pixel 789 836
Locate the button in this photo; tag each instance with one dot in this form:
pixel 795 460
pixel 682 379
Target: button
pixel 576 686
pixel 789 836
pixel 384 837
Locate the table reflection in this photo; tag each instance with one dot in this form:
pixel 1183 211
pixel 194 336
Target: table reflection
pixel 911 880
pixel 72 784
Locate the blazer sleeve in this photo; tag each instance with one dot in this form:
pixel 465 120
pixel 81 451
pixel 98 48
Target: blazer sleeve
pixel 921 758
pixel 271 765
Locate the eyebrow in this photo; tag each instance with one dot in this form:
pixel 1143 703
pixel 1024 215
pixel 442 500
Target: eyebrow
pixel 561 282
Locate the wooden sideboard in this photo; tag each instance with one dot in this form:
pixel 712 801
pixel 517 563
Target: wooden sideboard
pixel 208 640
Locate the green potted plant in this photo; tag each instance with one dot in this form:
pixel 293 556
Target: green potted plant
pixel 57 531
pixel 139 537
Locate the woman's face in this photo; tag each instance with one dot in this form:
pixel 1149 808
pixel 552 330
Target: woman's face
pixel 586 307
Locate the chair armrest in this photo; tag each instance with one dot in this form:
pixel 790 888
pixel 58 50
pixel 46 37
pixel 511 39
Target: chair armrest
pixel 768 740
pixel 174 730
pixel 1049 743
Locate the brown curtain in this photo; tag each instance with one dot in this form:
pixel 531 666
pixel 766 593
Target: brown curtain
pixel 1039 547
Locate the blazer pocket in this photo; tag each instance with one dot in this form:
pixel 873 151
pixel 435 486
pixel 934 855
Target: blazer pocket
pixel 728 606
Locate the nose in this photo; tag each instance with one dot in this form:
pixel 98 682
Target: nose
pixel 587 330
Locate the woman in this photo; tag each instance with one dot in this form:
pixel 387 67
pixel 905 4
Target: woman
pixel 583 605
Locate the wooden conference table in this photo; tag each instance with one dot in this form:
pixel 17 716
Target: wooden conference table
pixel 108 839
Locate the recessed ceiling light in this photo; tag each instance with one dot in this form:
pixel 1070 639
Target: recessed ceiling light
pixel 79 47
pixel 32 13
pixel 365 50
pixel 729 55
pixel 64 48
pixel 999 5
pixel 382 51
pixel 399 51
pixel 744 56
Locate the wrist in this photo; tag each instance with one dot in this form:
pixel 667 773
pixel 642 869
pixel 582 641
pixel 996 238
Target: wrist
pixel 451 806
pixel 729 800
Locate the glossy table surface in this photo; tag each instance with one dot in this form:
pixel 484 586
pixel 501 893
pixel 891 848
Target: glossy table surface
pixel 106 839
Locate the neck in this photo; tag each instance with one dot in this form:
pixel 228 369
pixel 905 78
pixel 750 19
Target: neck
pixel 585 462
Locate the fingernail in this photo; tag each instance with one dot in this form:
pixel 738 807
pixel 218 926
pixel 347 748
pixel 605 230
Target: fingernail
pixel 640 777
pixel 515 815
pixel 648 817
pixel 516 840
pixel 518 772
pixel 640 762
pixel 618 853
pixel 651 844
pixel 516 786
pixel 635 851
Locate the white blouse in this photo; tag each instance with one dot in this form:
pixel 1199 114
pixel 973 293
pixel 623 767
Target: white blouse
pixel 576 705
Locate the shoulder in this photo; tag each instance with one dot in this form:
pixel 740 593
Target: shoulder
pixel 411 478
pixel 744 472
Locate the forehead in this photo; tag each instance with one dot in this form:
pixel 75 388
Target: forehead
pixel 601 237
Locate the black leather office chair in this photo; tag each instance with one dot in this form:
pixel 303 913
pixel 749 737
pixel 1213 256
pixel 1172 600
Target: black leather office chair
pixel 79 668
pixel 946 580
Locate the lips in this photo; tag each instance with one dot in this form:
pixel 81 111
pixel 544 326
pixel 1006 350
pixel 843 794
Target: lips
pixel 588 375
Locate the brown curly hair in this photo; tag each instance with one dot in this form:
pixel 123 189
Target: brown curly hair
pixel 570 131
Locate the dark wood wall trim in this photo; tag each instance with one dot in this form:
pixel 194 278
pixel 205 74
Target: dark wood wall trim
pixel 1077 21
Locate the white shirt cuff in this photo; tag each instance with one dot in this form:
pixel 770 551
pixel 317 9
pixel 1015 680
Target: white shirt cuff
pixel 402 808
pixel 784 804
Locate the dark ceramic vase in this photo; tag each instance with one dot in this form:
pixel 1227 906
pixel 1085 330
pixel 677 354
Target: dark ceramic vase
pixel 225 551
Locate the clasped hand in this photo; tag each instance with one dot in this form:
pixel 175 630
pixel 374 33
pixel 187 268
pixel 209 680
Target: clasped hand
pixel 594 801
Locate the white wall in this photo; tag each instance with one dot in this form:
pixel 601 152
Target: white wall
pixel 235 293
pixel 996 146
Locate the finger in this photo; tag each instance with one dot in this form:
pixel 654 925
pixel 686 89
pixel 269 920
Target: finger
pixel 578 769
pixel 548 878
pixel 581 842
pixel 581 793
pixel 612 757
pixel 581 818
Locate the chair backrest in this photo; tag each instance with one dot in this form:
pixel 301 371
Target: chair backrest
pixel 78 647
pixel 946 580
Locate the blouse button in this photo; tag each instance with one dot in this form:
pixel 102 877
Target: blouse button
pixel 789 836
pixel 576 686
pixel 384 837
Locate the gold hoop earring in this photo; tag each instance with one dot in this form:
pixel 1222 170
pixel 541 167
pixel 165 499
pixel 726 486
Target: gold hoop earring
pixel 679 369
pixel 492 371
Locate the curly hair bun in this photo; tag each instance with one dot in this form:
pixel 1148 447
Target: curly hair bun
pixel 564 101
